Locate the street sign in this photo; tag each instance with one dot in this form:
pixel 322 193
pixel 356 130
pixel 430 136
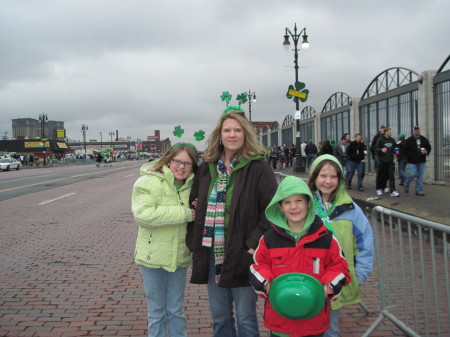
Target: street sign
pixel 295 93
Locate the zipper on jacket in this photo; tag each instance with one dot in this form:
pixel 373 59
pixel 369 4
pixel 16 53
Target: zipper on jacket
pixel 179 198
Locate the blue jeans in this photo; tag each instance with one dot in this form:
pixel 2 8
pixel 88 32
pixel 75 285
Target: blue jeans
pixel 353 166
pixel 321 335
pixel 333 331
pixel 165 295
pixel 376 162
pixel 310 158
pixel 221 307
pixel 416 170
pixel 401 171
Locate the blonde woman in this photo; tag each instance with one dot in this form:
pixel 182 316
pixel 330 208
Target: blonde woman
pixel 231 190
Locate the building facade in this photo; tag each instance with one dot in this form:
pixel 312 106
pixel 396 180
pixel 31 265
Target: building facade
pixel 30 128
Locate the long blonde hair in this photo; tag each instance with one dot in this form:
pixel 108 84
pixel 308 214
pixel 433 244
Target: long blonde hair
pixel 172 152
pixel 251 145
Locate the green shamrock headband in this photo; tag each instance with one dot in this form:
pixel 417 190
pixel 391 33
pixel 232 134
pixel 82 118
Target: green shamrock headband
pixel 226 97
pixel 234 108
pixel 183 144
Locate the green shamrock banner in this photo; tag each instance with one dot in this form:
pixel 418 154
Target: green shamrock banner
pixel 178 132
pixel 298 92
pixel 199 135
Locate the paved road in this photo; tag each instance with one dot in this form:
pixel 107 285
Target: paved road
pixel 66 267
pixel 26 181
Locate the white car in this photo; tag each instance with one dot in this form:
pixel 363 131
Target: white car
pixel 7 164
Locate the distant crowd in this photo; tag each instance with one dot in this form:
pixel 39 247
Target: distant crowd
pixel 409 153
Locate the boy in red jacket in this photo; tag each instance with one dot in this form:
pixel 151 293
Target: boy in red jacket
pixel 297 242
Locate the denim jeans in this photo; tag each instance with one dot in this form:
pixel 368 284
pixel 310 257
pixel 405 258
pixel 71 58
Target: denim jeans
pixel 320 335
pixel 353 166
pixel 350 171
pixel 310 158
pixel 376 162
pixel 333 331
pixel 221 307
pixel 165 295
pixel 401 171
pixel 416 170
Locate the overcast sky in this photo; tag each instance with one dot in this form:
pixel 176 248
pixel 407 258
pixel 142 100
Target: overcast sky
pixel 140 65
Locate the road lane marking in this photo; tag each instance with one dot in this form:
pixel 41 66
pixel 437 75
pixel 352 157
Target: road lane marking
pixel 51 181
pixel 130 175
pixel 61 197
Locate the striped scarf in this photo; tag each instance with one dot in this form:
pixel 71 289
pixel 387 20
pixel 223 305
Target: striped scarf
pixel 214 228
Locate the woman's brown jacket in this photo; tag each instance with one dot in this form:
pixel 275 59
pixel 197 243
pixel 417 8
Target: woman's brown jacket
pixel 251 188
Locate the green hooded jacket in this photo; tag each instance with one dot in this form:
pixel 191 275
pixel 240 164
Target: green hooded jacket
pixel 289 186
pixel 354 234
pixel 162 213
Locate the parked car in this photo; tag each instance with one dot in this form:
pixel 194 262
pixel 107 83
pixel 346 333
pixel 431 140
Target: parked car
pixel 7 164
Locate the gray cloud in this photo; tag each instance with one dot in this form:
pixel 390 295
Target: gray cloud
pixel 136 66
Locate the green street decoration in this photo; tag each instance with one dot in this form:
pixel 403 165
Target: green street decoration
pixel 242 98
pixel 226 97
pixel 298 92
pixel 199 135
pixel 178 132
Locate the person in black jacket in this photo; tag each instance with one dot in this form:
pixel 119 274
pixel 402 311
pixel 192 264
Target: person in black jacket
pixel 326 148
pixel 385 149
pixel 356 155
pixel 372 147
pixel 311 153
pixel 401 158
pixel 416 148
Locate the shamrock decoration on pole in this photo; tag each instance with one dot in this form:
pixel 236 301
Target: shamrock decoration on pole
pixel 178 132
pixel 298 92
pixel 199 135
pixel 226 97
pixel 242 98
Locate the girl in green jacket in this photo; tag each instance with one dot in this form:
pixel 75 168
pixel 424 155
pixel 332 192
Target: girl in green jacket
pixel 160 207
pixel 351 227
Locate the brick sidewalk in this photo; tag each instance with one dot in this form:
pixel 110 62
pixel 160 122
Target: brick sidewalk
pixel 67 269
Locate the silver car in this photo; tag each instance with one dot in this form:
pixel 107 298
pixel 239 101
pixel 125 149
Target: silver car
pixel 7 164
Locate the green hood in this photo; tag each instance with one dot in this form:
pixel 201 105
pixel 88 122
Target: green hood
pixel 342 194
pixel 289 186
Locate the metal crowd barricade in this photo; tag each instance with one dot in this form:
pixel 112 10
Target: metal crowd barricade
pixel 412 256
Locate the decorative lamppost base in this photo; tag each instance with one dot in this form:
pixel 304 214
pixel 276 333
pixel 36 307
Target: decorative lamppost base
pixel 299 167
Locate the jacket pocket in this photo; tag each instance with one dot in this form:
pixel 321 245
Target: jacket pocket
pixel 315 261
pixel 280 262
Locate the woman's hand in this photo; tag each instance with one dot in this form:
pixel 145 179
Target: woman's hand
pixel 251 251
pixel 267 287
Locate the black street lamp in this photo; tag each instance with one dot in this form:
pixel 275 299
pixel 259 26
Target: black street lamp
pixel 101 140
pixel 84 128
pixel 251 99
pixel 111 133
pixel 43 118
pixel 305 45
